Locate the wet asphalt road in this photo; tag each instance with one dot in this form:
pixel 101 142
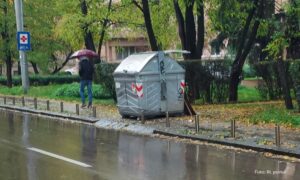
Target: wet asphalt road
pixel 34 148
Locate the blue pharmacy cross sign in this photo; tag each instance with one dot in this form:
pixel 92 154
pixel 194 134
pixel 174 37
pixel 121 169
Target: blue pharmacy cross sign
pixel 23 39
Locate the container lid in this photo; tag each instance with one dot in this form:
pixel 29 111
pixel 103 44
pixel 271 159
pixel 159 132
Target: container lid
pixel 135 63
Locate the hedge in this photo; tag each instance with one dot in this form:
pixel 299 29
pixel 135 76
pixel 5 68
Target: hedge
pixel 271 89
pixel 39 80
pixel 72 90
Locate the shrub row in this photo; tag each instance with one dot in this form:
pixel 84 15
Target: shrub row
pixel 72 90
pixel 39 80
pixel 271 88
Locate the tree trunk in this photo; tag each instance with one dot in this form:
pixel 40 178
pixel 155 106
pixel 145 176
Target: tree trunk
pixel 284 84
pixel 19 68
pixel 191 39
pixel 6 40
pixel 148 23
pixel 190 30
pixel 201 29
pixel 8 61
pixel 57 69
pixel 243 52
pixel 149 27
pixel 104 26
pixel 88 37
pixel 180 21
pixel 35 68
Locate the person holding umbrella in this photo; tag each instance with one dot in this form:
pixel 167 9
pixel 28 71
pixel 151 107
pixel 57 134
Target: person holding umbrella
pixel 86 71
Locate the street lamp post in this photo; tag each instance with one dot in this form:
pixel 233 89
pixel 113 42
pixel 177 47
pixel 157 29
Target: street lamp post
pixel 22 55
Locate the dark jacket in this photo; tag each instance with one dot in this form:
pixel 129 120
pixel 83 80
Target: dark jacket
pixel 86 70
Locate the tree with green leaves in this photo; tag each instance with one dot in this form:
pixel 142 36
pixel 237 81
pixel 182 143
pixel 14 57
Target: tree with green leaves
pixel 86 22
pixel 40 19
pixel 7 33
pixel 245 41
pixel 239 21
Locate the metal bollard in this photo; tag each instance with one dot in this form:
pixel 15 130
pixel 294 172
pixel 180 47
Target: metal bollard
pixel 233 128
pixel 143 118
pixel 167 119
pixel 277 135
pixel 77 109
pixel 4 99
pixel 61 106
pixel 48 105
pixel 197 123
pixel 14 101
pixel 35 103
pixel 23 101
pixel 94 112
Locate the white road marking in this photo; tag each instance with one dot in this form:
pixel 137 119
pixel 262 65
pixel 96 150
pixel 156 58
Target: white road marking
pixel 59 157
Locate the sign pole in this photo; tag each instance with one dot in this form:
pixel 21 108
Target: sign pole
pixel 22 55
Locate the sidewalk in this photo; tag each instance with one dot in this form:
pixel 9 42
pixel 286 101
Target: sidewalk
pixel 256 137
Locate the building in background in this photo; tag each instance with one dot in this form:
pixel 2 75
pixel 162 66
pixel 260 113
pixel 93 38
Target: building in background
pixel 118 48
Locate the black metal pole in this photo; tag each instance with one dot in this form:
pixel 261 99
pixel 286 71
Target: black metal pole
pixel 233 128
pixel 61 106
pixel 167 119
pixel 48 105
pixel 23 101
pixel 77 109
pixel 197 123
pixel 277 135
pixel 35 103
pixel 94 112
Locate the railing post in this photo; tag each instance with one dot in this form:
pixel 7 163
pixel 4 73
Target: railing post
pixel 14 100
pixel 61 106
pixel 143 118
pixel 197 123
pixel 233 128
pixel 277 135
pixel 4 99
pixel 77 109
pixel 94 112
pixel 48 105
pixel 35 103
pixel 167 119
pixel 23 101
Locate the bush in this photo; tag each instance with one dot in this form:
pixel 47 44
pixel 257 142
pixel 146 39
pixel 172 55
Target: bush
pixel 272 89
pixel 104 76
pixel 39 80
pixel 295 72
pixel 72 90
pixel 207 80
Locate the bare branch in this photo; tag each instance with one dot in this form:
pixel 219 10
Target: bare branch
pixel 137 5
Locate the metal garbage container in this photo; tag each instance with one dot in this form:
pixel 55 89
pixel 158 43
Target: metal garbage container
pixel 150 84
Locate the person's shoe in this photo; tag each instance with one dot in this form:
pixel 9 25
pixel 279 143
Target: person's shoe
pixel 90 105
pixel 83 106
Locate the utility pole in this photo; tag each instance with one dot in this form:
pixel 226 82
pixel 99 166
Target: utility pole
pixel 22 55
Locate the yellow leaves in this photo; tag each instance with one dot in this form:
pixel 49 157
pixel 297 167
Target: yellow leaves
pixel 10 2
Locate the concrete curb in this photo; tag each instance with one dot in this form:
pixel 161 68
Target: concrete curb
pixel 255 147
pixel 51 114
pixel 123 126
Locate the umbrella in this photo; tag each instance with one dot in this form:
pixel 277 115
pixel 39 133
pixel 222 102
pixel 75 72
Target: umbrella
pixel 84 52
